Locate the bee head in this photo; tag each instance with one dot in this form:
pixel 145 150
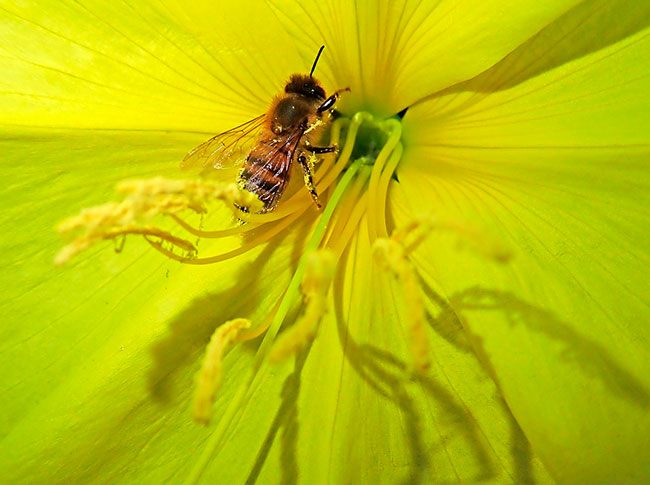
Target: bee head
pixel 306 86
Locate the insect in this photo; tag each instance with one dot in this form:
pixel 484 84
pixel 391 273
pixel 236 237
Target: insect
pixel 279 136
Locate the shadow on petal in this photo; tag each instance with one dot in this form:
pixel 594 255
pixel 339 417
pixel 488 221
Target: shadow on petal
pixel 520 450
pixel 447 324
pixel 190 331
pixel 376 361
pixel 286 420
pixel 577 33
pixel 391 377
pixel 443 319
pixel 592 358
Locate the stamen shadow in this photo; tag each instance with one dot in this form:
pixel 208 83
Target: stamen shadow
pixel 286 419
pixel 520 449
pixel 455 413
pixel 445 323
pixel 591 357
pixel 391 377
pixel 190 331
pixel 449 326
pixel 588 355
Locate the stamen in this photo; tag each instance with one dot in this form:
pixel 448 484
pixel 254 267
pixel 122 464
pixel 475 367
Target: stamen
pixel 350 226
pixel 382 189
pixel 145 200
pixel 352 200
pixel 232 231
pixel 315 286
pixel 261 239
pixel 244 391
pixel 391 256
pixel 195 193
pixel 312 245
pixel 209 377
pixel 82 243
pixel 394 129
pixel 253 333
pixel 418 229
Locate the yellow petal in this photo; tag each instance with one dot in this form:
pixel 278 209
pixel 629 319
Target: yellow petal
pixel 392 54
pixel 197 66
pixel 555 165
pixel 99 356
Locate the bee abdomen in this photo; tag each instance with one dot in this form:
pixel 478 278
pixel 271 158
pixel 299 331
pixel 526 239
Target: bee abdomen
pixel 262 180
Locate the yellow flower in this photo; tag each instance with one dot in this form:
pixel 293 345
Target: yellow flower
pixel 525 127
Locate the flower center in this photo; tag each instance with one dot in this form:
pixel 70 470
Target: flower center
pixel 356 184
pixel 376 145
pixel 371 137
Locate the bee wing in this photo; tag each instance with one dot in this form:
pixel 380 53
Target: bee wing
pixel 226 149
pixel 267 174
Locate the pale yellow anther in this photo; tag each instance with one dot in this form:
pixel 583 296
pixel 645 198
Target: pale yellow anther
pixel 192 193
pixel 209 377
pixel 390 255
pixel 315 286
pixel 146 199
pixel 418 229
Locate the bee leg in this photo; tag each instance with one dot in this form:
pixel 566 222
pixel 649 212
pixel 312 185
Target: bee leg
pixel 309 179
pixel 329 102
pixel 321 150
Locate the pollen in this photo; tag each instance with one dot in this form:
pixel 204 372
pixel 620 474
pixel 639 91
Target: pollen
pixel 319 271
pixel 209 377
pixel 145 200
pixel 314 126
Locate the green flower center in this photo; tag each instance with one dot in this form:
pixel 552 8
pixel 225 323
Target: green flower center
pixel 371 137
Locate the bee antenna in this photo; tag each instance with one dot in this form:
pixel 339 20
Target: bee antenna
pixel 317 56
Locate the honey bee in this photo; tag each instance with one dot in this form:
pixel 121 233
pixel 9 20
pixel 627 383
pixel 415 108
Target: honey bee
pixel 279 136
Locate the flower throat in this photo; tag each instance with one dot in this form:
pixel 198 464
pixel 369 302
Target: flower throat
pixel 356 183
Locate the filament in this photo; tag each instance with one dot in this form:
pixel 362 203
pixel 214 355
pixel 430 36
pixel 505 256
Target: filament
pixel 350 226
pixel 311 246
pixel 382 191
pixel 266 236
pixel 351 202
pixel 260 329
pixel 395 131
pixel 246 388
pixel 232 231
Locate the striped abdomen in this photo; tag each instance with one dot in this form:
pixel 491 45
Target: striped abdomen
pixel 267 170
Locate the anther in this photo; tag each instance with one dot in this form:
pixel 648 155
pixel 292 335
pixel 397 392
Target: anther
pixel 418 229
pixel 209 377
pixel 315 285
pixel 144 200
